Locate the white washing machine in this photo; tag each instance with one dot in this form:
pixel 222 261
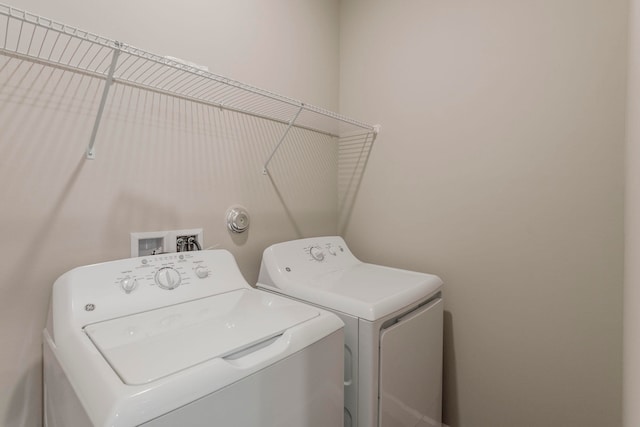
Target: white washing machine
pixel 183 340
pixel 393 327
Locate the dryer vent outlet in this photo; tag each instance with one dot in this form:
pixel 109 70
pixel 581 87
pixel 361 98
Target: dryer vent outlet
pixel 187 242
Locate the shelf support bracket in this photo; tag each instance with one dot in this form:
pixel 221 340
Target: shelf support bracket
pixel 265 169
pixel 91 153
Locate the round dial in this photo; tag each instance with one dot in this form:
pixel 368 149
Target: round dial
pixel 316 253
pixel 168 278
pixel 331 250
pixel 128 284
pixel 201 271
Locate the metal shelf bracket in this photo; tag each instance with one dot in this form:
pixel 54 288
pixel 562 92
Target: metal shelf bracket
pixel 91 153
pixel 265 169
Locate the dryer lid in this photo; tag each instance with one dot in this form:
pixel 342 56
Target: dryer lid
pixel 367 291
pixel 150 345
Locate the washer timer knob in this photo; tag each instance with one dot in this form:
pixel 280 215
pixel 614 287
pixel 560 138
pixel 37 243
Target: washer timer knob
pixel 128 284
pixel 316 253
pixel 168 278
pixel 201 271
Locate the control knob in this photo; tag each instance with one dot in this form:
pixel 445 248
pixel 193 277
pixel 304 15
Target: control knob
pixel 168 278
pixel 128 284
pixel 201 271
pixel 316 253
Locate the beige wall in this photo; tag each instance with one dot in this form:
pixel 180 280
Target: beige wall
pixel 161 163
pixel 500 168
pixel 631 394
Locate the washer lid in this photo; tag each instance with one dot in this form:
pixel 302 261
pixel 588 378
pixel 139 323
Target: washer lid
pixel 150 345
pixel 364 290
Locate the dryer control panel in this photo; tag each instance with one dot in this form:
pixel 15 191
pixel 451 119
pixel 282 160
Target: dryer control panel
pixel 305 259
pixel 321 250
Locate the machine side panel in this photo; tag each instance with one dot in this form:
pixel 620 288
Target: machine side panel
pixel 351 368
pixel 62 408
pixel 411 369
pixel 368 372
pixel 351 360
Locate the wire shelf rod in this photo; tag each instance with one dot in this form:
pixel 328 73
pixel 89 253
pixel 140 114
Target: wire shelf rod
pixel 31 41
pixel 214 104
pixel 211 89
pixel 6 33
pixel 244 87
pixel 38 21
pixel 55 43
pixel 238 85
pixel 353 137
pixel 199 86
pixel 179 85
pixel 95 58
pixel 105 58
pixel 44 41
pixel 134 61
pixel 99 75
pixel 46 33
pixel 162 75
pixel 52 64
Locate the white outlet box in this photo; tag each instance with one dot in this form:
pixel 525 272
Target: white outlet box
pixel 155 242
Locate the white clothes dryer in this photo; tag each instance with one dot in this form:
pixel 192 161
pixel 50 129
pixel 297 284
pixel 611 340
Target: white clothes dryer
pixel 393 327
pixel 183 340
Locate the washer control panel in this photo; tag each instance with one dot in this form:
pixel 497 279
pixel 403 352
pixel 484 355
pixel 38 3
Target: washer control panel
pixel 116 288
pixel 166 272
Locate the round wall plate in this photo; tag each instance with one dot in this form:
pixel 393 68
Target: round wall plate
pixel 237 219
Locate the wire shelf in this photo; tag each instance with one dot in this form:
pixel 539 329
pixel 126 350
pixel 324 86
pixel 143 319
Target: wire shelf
pixel 26 36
